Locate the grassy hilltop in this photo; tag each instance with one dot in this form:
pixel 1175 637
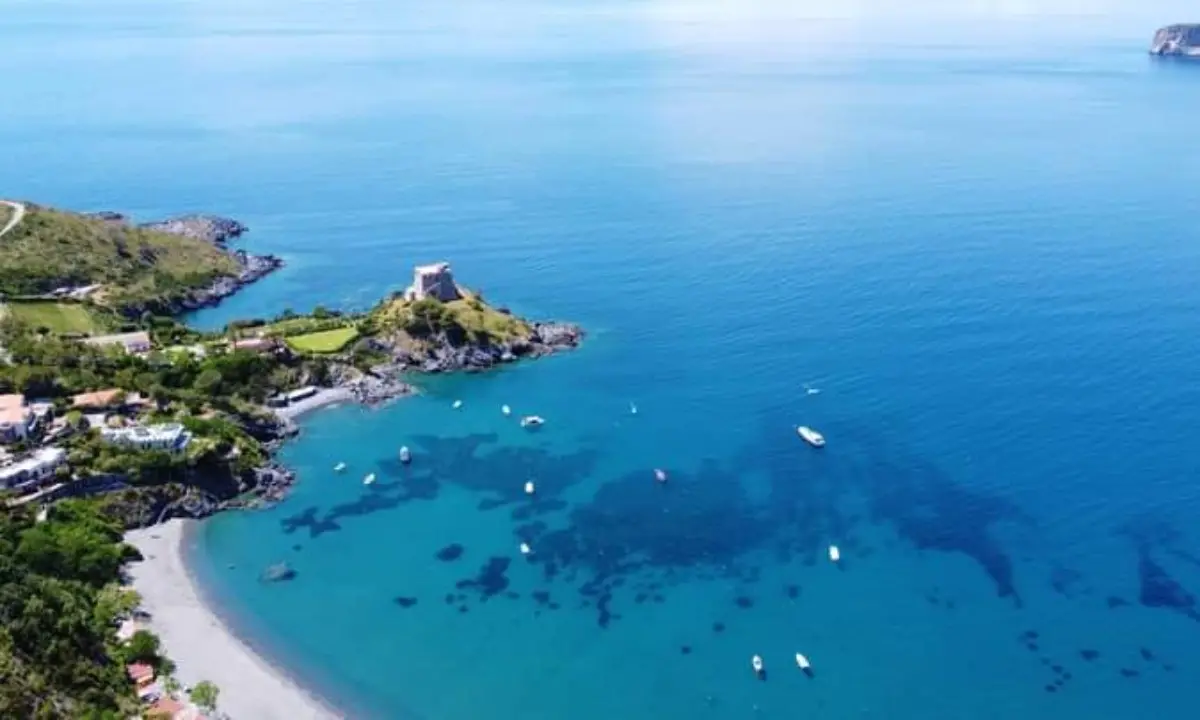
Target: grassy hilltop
pixel 50 249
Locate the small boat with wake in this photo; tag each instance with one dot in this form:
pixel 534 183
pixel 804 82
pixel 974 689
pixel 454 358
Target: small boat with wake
pixel 810 436
pixel 632 409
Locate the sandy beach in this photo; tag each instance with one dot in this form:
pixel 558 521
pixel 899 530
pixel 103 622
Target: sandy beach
pixel 322 398
pixel 201 646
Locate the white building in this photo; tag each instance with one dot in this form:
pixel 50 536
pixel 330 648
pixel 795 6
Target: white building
pixel 15 418
pixel 35 468
pixel 133 343
pixel 435 281
pixel 169 436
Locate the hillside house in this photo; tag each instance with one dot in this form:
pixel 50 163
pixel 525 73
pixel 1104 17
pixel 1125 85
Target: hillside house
pixel 16 418
pixel 133 343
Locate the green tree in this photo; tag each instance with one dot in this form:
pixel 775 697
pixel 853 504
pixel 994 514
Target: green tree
pixel 205 694
pixel 143 646
pixel 208 381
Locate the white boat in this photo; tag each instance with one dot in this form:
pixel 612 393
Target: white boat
pixel 506 410
pixel 810 436
pixel 802 662
pixel 525 549
pixel 632 409
pixel 756 662
pixel 405 455
pixel 660 475
pixel 834 553
pixel 532 421
pixel 457 404
pixel 529 488
pixel 339 467
pixel 369 479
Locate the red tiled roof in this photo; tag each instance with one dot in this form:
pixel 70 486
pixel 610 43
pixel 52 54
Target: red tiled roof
pixel 139 672
pixel 165 707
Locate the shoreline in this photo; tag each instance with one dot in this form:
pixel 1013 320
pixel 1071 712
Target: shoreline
pixel 200 644
pixel 324 397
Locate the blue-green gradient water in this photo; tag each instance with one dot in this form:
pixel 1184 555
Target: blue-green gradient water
pixel 972 229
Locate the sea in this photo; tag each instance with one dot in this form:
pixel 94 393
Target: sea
pixel 959 239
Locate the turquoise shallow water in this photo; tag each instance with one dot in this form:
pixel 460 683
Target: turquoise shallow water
pixel 977 245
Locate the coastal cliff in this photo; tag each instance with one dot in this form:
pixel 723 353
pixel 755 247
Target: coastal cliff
pixel 1182 40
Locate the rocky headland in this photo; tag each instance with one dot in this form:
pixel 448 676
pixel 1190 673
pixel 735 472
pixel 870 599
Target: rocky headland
pixel 1182 40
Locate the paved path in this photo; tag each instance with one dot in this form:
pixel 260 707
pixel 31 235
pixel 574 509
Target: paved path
pixel 18 212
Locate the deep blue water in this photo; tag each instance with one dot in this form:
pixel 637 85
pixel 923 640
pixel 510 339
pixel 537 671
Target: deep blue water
pixel 973 232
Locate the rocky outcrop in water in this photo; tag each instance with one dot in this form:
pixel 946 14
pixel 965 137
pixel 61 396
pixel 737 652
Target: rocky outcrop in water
pixel 1181 40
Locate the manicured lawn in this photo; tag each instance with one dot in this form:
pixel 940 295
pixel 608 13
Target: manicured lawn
pixel 326 341
pixel 59 317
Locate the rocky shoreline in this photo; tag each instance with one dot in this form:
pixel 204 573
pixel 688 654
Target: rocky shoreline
pixel 218 231
pixel 1181 40
pixel 442 356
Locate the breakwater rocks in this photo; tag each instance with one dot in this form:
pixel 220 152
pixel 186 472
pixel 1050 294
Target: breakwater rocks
pixel 1182 40
pixel 442 356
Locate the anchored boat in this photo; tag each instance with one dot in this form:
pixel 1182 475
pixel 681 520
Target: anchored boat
pixel 660 475
pixel 756 662
pixel 810 436
pixel 505 410
pixel 369 479
pixel 834 553
pixel 529 488
pixel 339 467
pixel 532 421
pixel 802 662
pixel 405 455
pixel 457 404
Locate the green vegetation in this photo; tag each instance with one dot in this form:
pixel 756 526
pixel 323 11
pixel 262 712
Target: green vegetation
pixel 205 695
pixel 468 319
pixel 59 317
pixel 323 342
pixel 137 267
pixel 60 604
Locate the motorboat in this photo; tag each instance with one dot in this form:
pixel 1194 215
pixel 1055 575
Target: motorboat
pixel 660 475
pixel 802 662
pixel 369 479
pixel 339 467
pixel 810 436
pixel 525 549
pixel 529 488
pixel 505 410
pixel 405 455
pixel 834 553
pixel 457 404
pixel 756 662
pixel 530 421
pixel 632 409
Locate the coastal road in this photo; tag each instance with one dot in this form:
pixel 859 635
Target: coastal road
pixel 18 212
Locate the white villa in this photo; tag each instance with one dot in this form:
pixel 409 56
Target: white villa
pixel 168 436
pixel 435 281
pixel 38 466
pixel 133 342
